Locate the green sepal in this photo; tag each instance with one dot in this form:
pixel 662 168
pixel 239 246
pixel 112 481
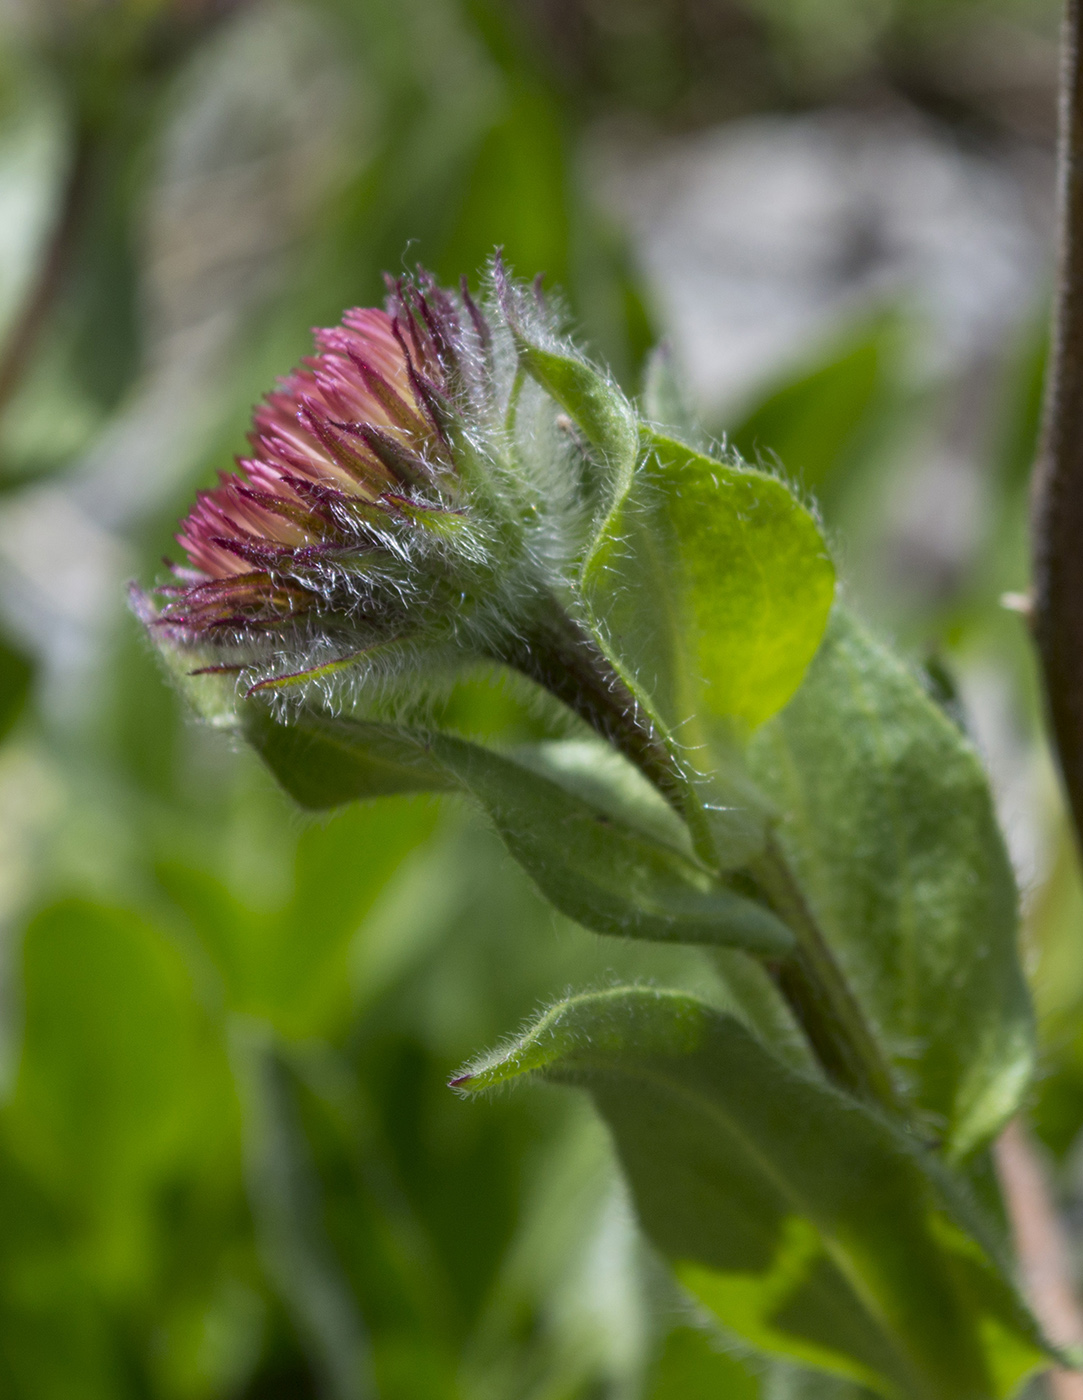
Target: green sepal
pixel 593 401
pixel 805 1222
pixel 210 688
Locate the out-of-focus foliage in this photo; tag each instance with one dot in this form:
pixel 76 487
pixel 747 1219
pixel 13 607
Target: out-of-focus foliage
pixel 229 1165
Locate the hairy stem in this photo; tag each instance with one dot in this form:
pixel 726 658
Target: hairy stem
pixel 52 270
pixel 818 994
pixel 564 658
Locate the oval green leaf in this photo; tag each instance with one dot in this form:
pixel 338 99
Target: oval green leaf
pixel 711 585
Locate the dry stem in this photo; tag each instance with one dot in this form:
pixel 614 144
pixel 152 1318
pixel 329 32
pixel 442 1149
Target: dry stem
pixel 1043 1257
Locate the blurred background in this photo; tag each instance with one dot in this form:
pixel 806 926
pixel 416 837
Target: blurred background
pixel 229 1165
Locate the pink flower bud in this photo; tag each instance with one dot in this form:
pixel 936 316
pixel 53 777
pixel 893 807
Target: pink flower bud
pixel 351 522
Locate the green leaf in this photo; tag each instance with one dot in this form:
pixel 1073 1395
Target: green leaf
pixel 807 1224
pixel 109 1048
pixel 889 825
pixel 791 1383
pixel 323 761
pixel 596 869
pixel 605 779
pixel 594 401
pixel 292 966
pixel 16 673
pixel 285 1195
pixel 711 585
pixel 693 1366
pixel 614 859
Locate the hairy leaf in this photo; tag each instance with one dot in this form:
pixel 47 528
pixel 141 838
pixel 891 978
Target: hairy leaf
pixel 711 586
pixel 889 824
pixel 605 874
pixel 826 423
pixel 602 849
pixel 322 760
pixel 806 1223
pixel 593 401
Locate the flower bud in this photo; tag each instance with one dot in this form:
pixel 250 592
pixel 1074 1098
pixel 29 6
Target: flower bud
pixel 413 501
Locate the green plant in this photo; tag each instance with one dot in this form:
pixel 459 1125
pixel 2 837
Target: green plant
pixel 450 494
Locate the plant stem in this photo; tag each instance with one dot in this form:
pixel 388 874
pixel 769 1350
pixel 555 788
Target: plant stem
pixel 1057 621
pixel 565 659
pixel 52 270
pixel 1058 499
pixel 814 986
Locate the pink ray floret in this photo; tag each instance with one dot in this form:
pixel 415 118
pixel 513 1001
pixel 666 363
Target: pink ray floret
pixel 346 435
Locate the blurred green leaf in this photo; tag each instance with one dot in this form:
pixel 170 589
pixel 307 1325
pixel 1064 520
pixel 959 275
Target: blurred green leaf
pixel 412 1302
pixel 665 404
pixel 109 1046
pixel 122 1088
pixel 791 1383
pixel 285 1194
pixel 16 673
pixel 693 1366
pixel 516 193
pixel 291 965
pixel 1054 918
pixel 803 1220
pixel 889 824
pixel 56 1338
pixel 712 580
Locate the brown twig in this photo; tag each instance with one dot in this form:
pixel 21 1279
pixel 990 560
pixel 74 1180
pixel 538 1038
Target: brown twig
pixel 1058 630
pixel 52 270
pixel 1039 1244
pixel 1058 502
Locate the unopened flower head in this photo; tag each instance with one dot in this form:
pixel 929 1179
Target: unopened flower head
pixel 392 501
